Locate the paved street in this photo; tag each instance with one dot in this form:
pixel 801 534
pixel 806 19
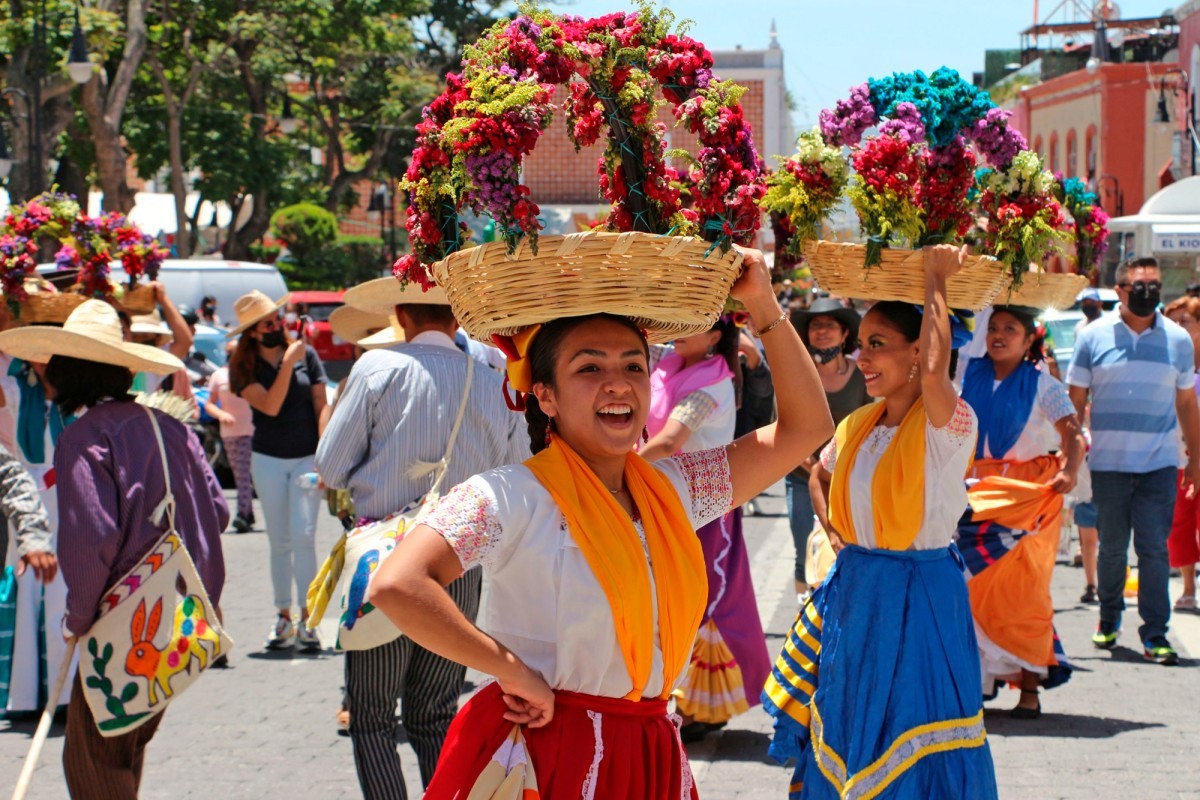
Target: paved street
pixel 265 726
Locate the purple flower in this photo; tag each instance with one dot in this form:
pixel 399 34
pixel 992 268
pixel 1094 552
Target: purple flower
pixel 905 124
pixel 850 118
pixel 996 140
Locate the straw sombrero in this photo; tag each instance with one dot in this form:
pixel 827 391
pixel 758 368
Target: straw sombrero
pixel 93 333
pixel 363 328
pixel 252 308
pixel 151 323
pixel 382 295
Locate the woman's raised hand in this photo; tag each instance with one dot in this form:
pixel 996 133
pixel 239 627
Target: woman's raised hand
pixel 945 260
pixel 754 284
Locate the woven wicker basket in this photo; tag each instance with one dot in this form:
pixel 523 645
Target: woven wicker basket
pixel 672 286
pixel 54 307
pixel 139 300
pixel 1045 290
pixel 838 269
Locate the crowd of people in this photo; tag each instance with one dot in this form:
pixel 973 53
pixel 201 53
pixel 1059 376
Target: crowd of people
pixel 600 482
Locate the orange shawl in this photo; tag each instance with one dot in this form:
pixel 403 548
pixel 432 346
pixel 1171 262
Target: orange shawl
pixel 613 550
pixel 898 486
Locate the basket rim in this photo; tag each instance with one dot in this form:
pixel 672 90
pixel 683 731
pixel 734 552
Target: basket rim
pixel 633 275
pixel 845 275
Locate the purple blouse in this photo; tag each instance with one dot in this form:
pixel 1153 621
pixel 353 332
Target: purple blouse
pixel 109 477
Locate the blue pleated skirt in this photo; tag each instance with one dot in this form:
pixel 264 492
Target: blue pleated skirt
pixel 876 693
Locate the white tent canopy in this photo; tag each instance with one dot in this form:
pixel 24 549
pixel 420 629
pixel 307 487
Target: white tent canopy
pixel 1169 221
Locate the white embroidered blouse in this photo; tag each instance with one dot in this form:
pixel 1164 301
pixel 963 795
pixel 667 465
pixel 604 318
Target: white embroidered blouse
pixel 948 451
pixel 544 602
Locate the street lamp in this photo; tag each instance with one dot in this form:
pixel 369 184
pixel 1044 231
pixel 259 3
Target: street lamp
pixel 79 67
pixel 287 120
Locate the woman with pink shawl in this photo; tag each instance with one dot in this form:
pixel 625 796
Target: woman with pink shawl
pixel 693 404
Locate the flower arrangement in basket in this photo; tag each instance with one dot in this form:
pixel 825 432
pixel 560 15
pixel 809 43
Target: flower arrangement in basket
pixel 613 73
pixel 1090 223
pixel 87 244
pixel 914 184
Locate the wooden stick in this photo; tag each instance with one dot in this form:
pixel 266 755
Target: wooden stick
pixel 43 728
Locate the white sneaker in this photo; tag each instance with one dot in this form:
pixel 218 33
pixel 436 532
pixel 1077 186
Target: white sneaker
pixel 283 635
pixel 307 638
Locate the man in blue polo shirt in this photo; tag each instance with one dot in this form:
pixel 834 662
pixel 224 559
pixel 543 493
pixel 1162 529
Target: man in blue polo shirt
pixel 1138 366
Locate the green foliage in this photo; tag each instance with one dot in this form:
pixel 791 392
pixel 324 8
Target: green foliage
pixel 348 261
pixel 265 254
pixel 304 228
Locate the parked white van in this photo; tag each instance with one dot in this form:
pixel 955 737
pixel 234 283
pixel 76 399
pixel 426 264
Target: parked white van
pixel 190 280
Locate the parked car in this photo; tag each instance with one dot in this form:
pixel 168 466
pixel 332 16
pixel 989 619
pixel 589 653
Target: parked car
pixel 317 306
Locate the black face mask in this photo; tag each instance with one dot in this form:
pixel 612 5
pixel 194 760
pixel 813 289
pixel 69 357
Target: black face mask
pixel 275 338
pixel 1090 311
pixel 1143 299
pixel 823 355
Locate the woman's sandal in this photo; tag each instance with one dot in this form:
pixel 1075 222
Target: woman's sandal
pixel 1020 712
pixel 1186 602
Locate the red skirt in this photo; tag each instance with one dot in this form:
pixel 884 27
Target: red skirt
pixel 595 747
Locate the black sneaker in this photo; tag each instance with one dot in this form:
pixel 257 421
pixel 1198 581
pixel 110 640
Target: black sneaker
pixel 1105 637
pixel 1089 596
pixel 1159 651
pixel 242 525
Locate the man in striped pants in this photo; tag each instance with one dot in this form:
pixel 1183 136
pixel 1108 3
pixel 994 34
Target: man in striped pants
pixel 398 407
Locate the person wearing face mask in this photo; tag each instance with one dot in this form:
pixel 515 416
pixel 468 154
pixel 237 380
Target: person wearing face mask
pixel 284 383
pixel 830 332
pixel 1091 306
pixel 1138 367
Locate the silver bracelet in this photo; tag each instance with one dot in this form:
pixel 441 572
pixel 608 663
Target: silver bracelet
pixel 782 318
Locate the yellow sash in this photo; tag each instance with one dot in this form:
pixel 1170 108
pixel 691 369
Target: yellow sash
pixel 614 551
pixel 898 485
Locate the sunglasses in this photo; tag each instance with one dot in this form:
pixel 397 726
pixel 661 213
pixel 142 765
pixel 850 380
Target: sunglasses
pixel 271 323
pixel 1141 286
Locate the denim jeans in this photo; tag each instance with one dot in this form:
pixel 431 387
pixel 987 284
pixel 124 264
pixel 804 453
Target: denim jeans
pixel 800 516
pixel 290 513
pixel 1144 502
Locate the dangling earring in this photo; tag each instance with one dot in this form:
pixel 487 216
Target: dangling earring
pixel 549 430
pixel 645 434
pixel 710 351
pixel 912 373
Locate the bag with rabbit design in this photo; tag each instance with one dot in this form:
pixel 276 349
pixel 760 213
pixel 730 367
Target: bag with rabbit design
pixel 156 631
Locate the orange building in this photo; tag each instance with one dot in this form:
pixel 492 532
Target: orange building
pixel 1099 125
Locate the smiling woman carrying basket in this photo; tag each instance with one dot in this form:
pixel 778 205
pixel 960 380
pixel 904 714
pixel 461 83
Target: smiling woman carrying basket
pixel 598 578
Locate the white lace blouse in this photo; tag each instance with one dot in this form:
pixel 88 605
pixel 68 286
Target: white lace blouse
pixel 948 451
pixel 544 602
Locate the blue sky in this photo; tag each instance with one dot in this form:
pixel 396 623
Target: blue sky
pixel 830 45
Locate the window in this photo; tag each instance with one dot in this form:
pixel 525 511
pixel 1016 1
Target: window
pixel 1053 159
pixel 1038 146
pixel 1072 166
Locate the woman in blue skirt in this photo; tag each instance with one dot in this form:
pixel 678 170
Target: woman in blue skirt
pixel 877 690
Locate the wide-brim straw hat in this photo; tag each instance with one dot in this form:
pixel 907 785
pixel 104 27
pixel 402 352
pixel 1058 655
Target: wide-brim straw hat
pixel 385 337
pixel 252 308
pixel 363 328
pixel 151 323
pixel 382 295
pixel 92 333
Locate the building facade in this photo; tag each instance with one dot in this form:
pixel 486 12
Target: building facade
pixel 1101 126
